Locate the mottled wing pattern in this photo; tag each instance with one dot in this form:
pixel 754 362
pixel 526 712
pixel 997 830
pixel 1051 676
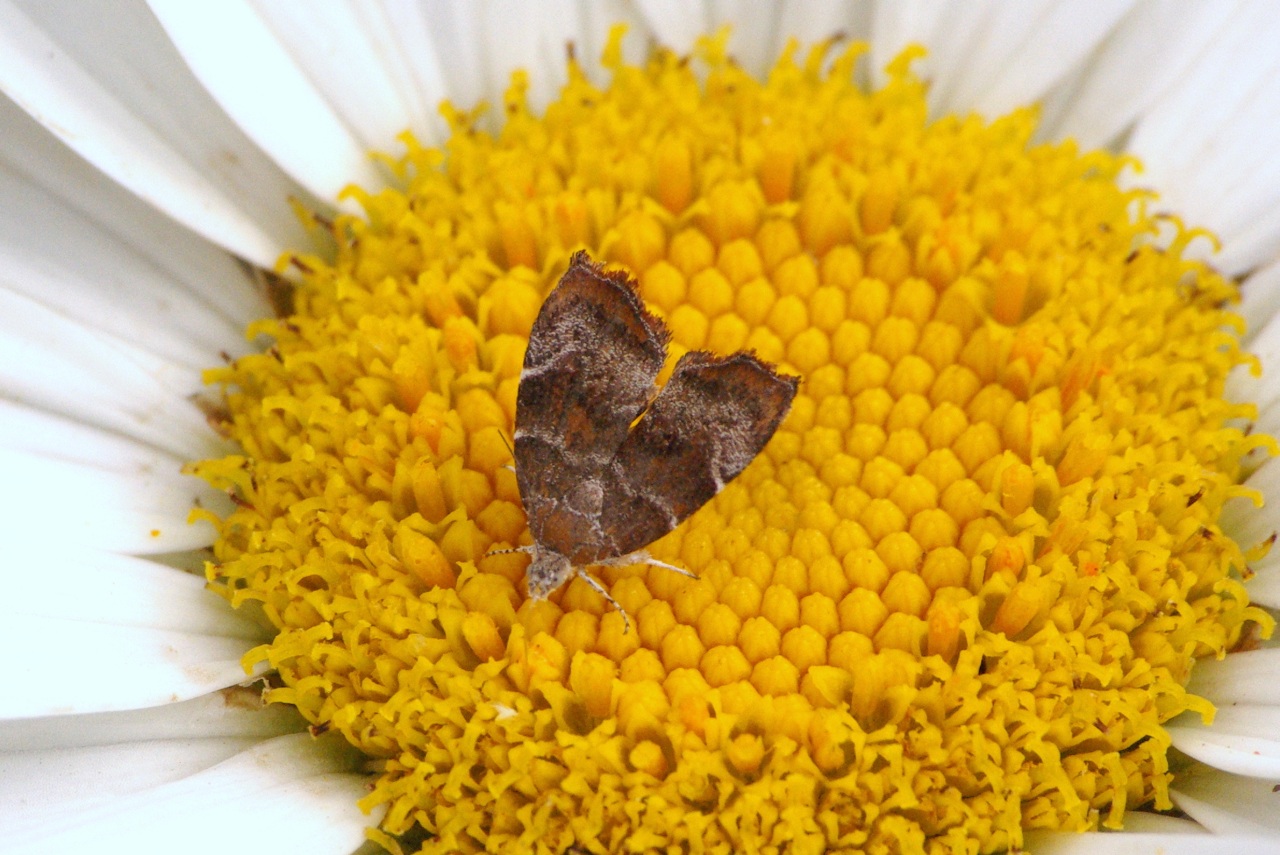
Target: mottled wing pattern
pixel 594 352
pixel 708 422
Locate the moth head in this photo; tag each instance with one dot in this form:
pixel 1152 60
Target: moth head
pixel 548 571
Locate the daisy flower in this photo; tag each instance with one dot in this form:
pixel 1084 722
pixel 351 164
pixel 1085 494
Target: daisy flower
pixel 1001 581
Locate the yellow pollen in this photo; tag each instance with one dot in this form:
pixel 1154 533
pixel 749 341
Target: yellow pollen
pixel 954 599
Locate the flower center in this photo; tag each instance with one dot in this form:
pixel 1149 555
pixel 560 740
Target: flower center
pixel 957 595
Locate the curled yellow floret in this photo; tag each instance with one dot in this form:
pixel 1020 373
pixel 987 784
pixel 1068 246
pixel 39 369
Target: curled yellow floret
pixel 954 599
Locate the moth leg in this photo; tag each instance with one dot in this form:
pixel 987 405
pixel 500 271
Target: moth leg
pixel 647 559
pixel 590 580
pixel 524 549
pixel 642 557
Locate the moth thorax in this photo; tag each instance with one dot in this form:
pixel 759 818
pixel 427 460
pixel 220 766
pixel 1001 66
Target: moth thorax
pixel 548 571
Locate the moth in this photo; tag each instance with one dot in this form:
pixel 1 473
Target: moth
pixel 606 462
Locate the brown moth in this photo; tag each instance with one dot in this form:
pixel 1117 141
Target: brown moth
pixel 606 462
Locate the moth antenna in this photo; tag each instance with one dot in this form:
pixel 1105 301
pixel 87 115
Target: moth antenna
pixel 510 467
pixel 590 580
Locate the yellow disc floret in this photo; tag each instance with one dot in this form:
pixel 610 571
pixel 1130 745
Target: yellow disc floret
pixel 954 599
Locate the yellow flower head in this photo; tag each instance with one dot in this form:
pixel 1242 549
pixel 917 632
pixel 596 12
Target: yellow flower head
pixel 955 598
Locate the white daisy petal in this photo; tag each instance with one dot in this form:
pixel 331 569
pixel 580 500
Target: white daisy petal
pixel 58 765
pixel 56 256
pixel 123 590
pixel 382 69
pixel 598 18
pixel 1243 739
pixel 810 21
pixel 1247 677
pixel 114 632
pixel 1259 241
pixel 26 430
pixel 990 57
pixel 756 35
pixel 1260 302
pixel 528 36
pixel 1229 804
pixel 1148 50
pixel 355 59
pixel 56 364
pixel 47 186
pixel 267 94
pixel 1144 834
pixel 1228 182
pixel 109 85
pixel 416 71
pixel 36 786
pixel 282 795
pixel 1127 843
pixel 129 498
pixel 1264 585
pixel 453 32
pixel 1015 72
pixel 898 25
pixel 677 24
pixel 89 667
pixel 235 712
pixel 1241 519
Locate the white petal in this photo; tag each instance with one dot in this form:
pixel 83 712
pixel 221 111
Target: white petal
pixel 1145 834
pixel 677 24
pixel 1243 739
pixel 238 59
pixel 1249 677
pixel 58 257
pixel 453 30
pixel 990 56
pixel 79 667
pixel 1145 822
pixel 811 21
pixel 951 33
pixel 1260 303
pixel 1226 181
pixel 61 764
pixel 284 795
pixel 56 364
pixel 1229 804
pixel 756 36
pixel 132 499
pixel 122 590
pixel 103 632
pixel 1147 52
pixel 393 64
pixel 1014 72
pixel 511 35
pixel 598 18
pixel 1264 584
pixel 758 32
pixel 108 84
pixel 32 431
pixel 33 782
pixel 356 58
pixel 236 712
pixel 1125 843
pixel 1242 519
pixel 197 276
